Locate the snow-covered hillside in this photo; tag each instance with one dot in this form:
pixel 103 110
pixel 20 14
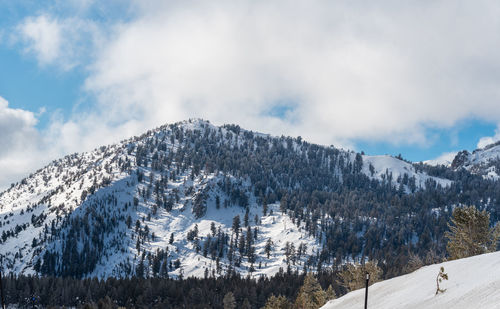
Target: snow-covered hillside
pixel 484 161
pixel 445 159
pixel 166 201
pixel 132 212
pixel 398 171
pixel 473 283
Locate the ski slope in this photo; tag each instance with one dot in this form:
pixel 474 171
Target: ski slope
pixel 473 283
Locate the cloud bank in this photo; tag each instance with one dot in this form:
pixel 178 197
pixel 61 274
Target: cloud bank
pixel 19 142
pixel 64 42
pixel 339 71
pixel 346 71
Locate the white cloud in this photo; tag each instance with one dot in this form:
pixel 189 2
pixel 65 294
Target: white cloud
pixel 24 148
pixel 43 36
pixel 19 143
pixel 487 140
pixel 64 42
pixel 17 127
pixel 349 70
pixel 352 71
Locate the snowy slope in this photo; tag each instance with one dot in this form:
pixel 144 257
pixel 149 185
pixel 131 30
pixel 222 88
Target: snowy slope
pixel 101 190
pixel 484 161
pixel 115 209
pixel 473 283
pixel 445 159
pixel 486 154
pixel 277 227
pixel 385 167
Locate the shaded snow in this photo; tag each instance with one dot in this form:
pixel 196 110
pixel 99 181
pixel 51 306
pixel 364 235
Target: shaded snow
pixel 473 283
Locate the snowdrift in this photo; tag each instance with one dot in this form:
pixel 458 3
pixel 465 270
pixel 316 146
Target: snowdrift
pixel 473 283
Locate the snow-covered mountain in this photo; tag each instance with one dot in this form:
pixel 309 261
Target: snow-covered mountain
pixel 166 202
pixel 385 167
pixel 109 201
pixel 473 282
pixel 484 161
pixel 444 159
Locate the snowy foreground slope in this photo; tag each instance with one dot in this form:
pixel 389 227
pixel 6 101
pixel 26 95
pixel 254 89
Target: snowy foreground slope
pixel 473 283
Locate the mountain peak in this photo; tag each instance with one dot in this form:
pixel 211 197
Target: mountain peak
pixel 193 199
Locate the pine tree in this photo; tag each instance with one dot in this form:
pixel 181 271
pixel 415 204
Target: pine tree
pixel 279 302
pixel 470 233
pixel 246 217
pixel 353 276
pixel 310 296
pixel 229 301
pixel 330 293
pixel 414 263
pixel 246 304
pixel 164 269
pixel 268 247
pixel 236 225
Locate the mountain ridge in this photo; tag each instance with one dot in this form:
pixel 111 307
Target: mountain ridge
pixel 113 211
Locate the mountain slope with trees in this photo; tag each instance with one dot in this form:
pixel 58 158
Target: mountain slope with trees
pixel 193 199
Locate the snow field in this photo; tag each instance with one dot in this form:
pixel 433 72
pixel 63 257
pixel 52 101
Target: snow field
pixel 474 282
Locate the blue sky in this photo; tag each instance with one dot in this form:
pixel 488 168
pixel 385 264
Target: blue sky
pixel 464 135
pixel 27 86
pixel 77 74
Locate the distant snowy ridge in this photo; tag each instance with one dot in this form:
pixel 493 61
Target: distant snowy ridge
pixel 445 159
pixel 474 282
pixel 385 166
pixel 484 161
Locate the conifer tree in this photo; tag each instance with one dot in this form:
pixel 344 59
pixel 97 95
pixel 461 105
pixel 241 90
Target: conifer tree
pixel 310 296
pixel 470 233
pixel 354 275
pixel 330 293
pixel 236 225
pixel 246 304
pixel 269 246
pixel 229 301
pixel 279 302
